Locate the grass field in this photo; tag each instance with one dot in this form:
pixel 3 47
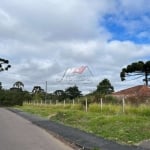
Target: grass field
pixel 130 127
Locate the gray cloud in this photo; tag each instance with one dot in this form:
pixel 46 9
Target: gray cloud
pixel 43 38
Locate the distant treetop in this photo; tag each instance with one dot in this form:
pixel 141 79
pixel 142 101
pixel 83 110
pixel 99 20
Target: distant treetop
pixel 4 64
pixel 139 69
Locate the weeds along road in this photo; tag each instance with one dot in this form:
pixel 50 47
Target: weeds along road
pixel 17 133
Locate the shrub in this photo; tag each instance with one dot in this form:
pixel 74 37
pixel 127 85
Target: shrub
pixel 10 98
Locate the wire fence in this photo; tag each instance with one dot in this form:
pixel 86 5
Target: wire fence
pixel 84 105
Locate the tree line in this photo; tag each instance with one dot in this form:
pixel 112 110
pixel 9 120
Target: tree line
pixel 16 95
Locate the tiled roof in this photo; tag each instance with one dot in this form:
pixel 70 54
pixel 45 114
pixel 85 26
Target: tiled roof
pixel 140 90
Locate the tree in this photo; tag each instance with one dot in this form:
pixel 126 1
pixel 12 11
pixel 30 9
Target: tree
pixel 104 87
pixel 60 95
pixel 11 97
pixel 37 89
pixel 1 86
pixel 73 92
pixel 18 85
pixel 138 69
pixel 4 64
pixel 38 93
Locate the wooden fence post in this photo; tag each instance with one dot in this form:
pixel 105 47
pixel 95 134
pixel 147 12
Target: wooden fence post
pixel 123 105
pixel 56 102
pixel 64 103
pixel 86 105
pixel 101 104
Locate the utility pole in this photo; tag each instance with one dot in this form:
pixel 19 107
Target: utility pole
pixel 45 91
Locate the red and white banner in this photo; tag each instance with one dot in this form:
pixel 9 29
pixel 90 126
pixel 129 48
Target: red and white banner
pixel 78 70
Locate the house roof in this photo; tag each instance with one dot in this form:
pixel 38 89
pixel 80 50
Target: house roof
pixel 140 90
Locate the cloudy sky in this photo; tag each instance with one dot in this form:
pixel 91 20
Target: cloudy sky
pixel 42 38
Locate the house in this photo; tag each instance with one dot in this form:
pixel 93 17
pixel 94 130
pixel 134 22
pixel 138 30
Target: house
pixel 140 92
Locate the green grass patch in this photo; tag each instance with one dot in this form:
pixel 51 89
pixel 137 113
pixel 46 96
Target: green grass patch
pixel 109 122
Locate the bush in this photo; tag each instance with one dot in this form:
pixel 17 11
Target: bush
pixel 94 108
pixel 11 98
pixel 111 100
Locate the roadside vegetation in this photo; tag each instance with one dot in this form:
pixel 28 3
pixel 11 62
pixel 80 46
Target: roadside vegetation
pixel 129 127
pixel 98 112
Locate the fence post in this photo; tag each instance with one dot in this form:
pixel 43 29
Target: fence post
pixel 86 105
pixel 64 103
pixel 101 104
pixel 56 102
pixel 73 102
pixel 123 105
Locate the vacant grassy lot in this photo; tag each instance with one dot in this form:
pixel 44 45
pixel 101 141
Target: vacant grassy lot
pixel 130 127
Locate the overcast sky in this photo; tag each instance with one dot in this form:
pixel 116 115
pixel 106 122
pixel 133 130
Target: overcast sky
pixel 42 38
